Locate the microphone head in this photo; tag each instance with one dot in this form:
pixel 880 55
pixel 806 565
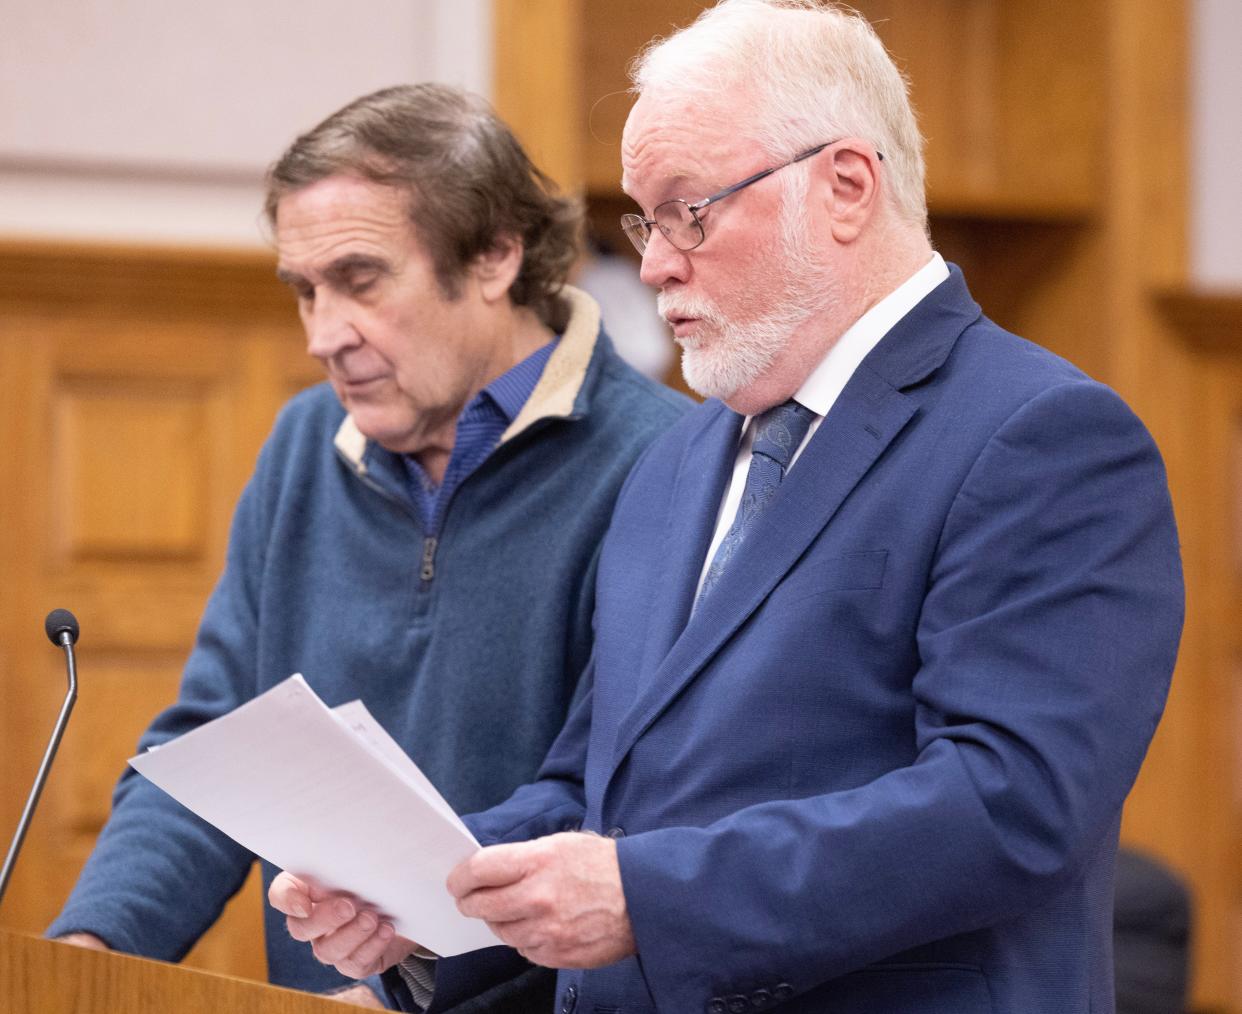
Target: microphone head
pixel 61 621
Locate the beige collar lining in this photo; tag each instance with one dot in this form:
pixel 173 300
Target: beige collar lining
pixel 562 377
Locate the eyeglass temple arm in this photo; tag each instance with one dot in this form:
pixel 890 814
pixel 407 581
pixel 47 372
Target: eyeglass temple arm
pixel 736 187
pixel 699 206
pixel 760 175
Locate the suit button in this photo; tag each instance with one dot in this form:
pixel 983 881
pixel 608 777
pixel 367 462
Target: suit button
pixel 737 1004
pixel 783 991
pixel 760 999
pixel 569 1000
pixel 616 832
pixel 716 1005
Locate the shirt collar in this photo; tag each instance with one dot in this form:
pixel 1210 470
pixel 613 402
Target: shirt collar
pixel 820 390
pixel 512 388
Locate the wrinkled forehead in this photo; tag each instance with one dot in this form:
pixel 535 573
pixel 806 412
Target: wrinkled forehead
pixel 671 136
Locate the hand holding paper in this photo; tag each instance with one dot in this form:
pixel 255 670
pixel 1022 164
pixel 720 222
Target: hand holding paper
pixel 341 931
pixel 558 900
pixel 330 797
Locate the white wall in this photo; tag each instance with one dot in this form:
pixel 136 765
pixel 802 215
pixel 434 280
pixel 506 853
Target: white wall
pixel 1216 148
pixel 153 121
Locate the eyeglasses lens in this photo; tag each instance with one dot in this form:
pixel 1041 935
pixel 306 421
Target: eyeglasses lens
pixel 679 224
pixel 637 230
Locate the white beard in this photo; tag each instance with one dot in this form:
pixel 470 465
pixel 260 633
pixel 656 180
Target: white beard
pixel 725 356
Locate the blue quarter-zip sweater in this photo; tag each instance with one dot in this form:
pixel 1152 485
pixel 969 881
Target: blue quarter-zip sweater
pixel 467 651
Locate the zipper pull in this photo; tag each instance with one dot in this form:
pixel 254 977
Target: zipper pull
pixel 429 558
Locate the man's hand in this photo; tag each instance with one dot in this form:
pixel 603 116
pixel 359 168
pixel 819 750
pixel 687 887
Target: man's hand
pixel 359 996
pixel 84 940
pixel 342 931
pixel 558 899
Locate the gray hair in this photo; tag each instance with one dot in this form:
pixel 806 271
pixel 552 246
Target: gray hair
pixel 468 181
pixel 819 72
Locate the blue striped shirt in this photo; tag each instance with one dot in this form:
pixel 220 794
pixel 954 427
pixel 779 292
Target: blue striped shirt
pixel 479 428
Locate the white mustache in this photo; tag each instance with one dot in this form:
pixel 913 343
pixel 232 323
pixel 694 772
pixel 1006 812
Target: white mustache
pixel 674 308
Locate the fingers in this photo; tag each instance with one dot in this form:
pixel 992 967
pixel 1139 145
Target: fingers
pixel 372 953
pixel 360 996
pixel 326 917
pixel 496 905
pixel 494 866
pixel 341 930
pixel 290 895
pixel 558 900
pixel 357 947
pixel 84 940
pixel 311 912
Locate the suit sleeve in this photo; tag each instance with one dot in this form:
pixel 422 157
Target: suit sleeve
pixel 159 876
pixel 1046 642
pixel 554 801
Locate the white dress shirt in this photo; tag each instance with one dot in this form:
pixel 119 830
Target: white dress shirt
pixel 820 390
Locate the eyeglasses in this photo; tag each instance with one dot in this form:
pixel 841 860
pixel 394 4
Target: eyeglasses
pixel 680 222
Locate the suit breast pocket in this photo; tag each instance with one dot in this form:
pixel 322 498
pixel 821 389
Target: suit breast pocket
pixel 861 571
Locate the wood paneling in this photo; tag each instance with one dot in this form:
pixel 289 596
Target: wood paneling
pixel 139 384
pixel 105 733
pixel 612 36
pixel 540 104
pixel 153 434
pixel 38 976
pixel 1201 734
pixel 1209 321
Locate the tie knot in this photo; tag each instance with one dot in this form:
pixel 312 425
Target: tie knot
pixel 781 430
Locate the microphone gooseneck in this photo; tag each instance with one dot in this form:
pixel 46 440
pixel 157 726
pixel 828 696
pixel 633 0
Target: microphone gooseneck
pixel 62 631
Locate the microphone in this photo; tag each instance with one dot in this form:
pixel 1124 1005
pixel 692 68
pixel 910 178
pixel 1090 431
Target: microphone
pixel 62 631
pixel 62 628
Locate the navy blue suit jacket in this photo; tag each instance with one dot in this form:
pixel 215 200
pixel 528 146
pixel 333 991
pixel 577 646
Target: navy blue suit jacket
pixel 881 767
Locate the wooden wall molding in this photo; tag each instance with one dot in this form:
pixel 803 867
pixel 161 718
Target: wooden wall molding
pixel 76 278
pixel 1207 320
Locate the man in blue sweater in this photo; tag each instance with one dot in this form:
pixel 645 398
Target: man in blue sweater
pixel 422 532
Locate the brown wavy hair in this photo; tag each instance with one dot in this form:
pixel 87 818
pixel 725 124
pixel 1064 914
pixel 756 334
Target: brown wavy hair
pixel 468 180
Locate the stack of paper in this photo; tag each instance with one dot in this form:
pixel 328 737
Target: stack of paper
pixel 327 794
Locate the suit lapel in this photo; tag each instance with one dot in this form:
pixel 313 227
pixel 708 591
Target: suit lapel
pixel 702 475
pixel 860 426
pixel 868 415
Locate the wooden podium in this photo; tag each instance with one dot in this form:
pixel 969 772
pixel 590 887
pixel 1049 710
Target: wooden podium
pixel 44 977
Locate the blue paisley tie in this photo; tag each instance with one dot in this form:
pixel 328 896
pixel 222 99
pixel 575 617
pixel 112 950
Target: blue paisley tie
pixel 778 433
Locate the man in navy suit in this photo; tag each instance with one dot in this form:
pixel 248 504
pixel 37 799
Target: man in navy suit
pixel 883 629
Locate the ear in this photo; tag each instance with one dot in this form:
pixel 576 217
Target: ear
pixel 853 177
pixel 495 269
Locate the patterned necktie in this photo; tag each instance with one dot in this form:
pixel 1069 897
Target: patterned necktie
pixel 778 433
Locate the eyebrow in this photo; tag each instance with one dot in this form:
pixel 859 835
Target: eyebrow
pixel 339 269
pixel 290 278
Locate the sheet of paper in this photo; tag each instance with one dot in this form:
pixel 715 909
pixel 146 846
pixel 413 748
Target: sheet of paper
pixel 320 795
pixel 356 716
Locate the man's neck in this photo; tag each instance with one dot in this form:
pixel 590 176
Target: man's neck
pixel 520 333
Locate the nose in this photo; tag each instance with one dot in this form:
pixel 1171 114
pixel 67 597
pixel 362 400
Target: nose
pixel 663 262
pixel 329 329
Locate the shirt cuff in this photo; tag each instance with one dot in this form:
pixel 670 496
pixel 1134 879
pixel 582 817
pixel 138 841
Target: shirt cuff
pixel 419 975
